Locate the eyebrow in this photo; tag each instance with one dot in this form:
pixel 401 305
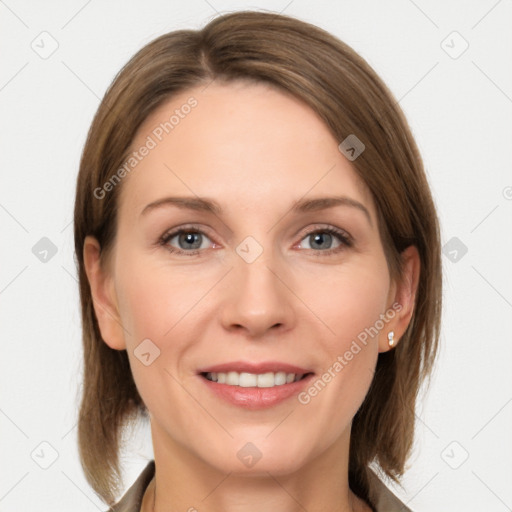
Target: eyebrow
pixel 300 206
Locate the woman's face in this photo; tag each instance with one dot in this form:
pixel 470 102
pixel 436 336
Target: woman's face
pixel 265 278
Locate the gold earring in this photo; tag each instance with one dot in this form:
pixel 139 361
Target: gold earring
pixel 391 338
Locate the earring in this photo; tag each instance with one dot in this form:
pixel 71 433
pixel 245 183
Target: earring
pixel 391 338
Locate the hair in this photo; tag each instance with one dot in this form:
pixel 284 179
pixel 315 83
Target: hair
pixel 323 72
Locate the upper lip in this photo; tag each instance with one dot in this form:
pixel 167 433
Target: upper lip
pixel 250 367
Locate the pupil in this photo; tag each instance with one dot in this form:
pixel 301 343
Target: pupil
pixel 321 237
pixel 189 239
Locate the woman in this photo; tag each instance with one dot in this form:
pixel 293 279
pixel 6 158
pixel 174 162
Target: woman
pixel 260 275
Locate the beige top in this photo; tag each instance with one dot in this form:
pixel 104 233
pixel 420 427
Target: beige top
pixel 132 499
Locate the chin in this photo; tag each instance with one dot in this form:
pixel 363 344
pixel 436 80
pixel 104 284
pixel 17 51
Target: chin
pixel 259 457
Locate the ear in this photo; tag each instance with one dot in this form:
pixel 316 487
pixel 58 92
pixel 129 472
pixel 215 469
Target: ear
pixel 402 298
pixel 103 296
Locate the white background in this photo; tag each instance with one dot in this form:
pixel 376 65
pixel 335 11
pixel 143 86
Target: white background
pixel 460 111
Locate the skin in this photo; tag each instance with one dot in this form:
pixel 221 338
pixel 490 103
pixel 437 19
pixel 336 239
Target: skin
pixel 255 151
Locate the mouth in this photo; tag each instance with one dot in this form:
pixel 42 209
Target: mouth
pixel 257 389
pixel 255 385
pixel 254 380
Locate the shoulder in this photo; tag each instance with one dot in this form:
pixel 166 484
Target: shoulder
pixel 132 499
pixel 384 499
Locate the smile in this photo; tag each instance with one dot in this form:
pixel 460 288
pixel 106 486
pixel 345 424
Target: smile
pixel 247 380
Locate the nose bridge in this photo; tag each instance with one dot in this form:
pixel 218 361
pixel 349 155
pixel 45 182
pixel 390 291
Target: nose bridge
pixel 258 300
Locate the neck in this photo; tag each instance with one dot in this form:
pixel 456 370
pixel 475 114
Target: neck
pixel 184 482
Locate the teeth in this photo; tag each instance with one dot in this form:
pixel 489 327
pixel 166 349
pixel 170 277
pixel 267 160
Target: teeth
pixel 248 380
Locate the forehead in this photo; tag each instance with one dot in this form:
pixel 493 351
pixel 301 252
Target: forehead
pixel 242 142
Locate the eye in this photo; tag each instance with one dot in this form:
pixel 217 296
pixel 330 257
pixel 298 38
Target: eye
pixel 192 241
pixel 324 238
pixel 189 241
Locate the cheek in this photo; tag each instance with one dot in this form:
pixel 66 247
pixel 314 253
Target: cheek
pixel 143 309
pixel 149 310
pixel 351 313
pixel 153 300
pixel 156 305
pixel 355 300
pixel 164 305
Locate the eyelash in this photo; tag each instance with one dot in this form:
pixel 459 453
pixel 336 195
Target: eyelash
pixel 343 237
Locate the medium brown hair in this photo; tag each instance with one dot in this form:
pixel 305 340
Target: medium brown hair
pixel 340 86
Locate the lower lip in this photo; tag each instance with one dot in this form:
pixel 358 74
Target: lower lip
pixel 255 398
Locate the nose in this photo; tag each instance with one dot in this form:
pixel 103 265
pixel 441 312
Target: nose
pixel 258 301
